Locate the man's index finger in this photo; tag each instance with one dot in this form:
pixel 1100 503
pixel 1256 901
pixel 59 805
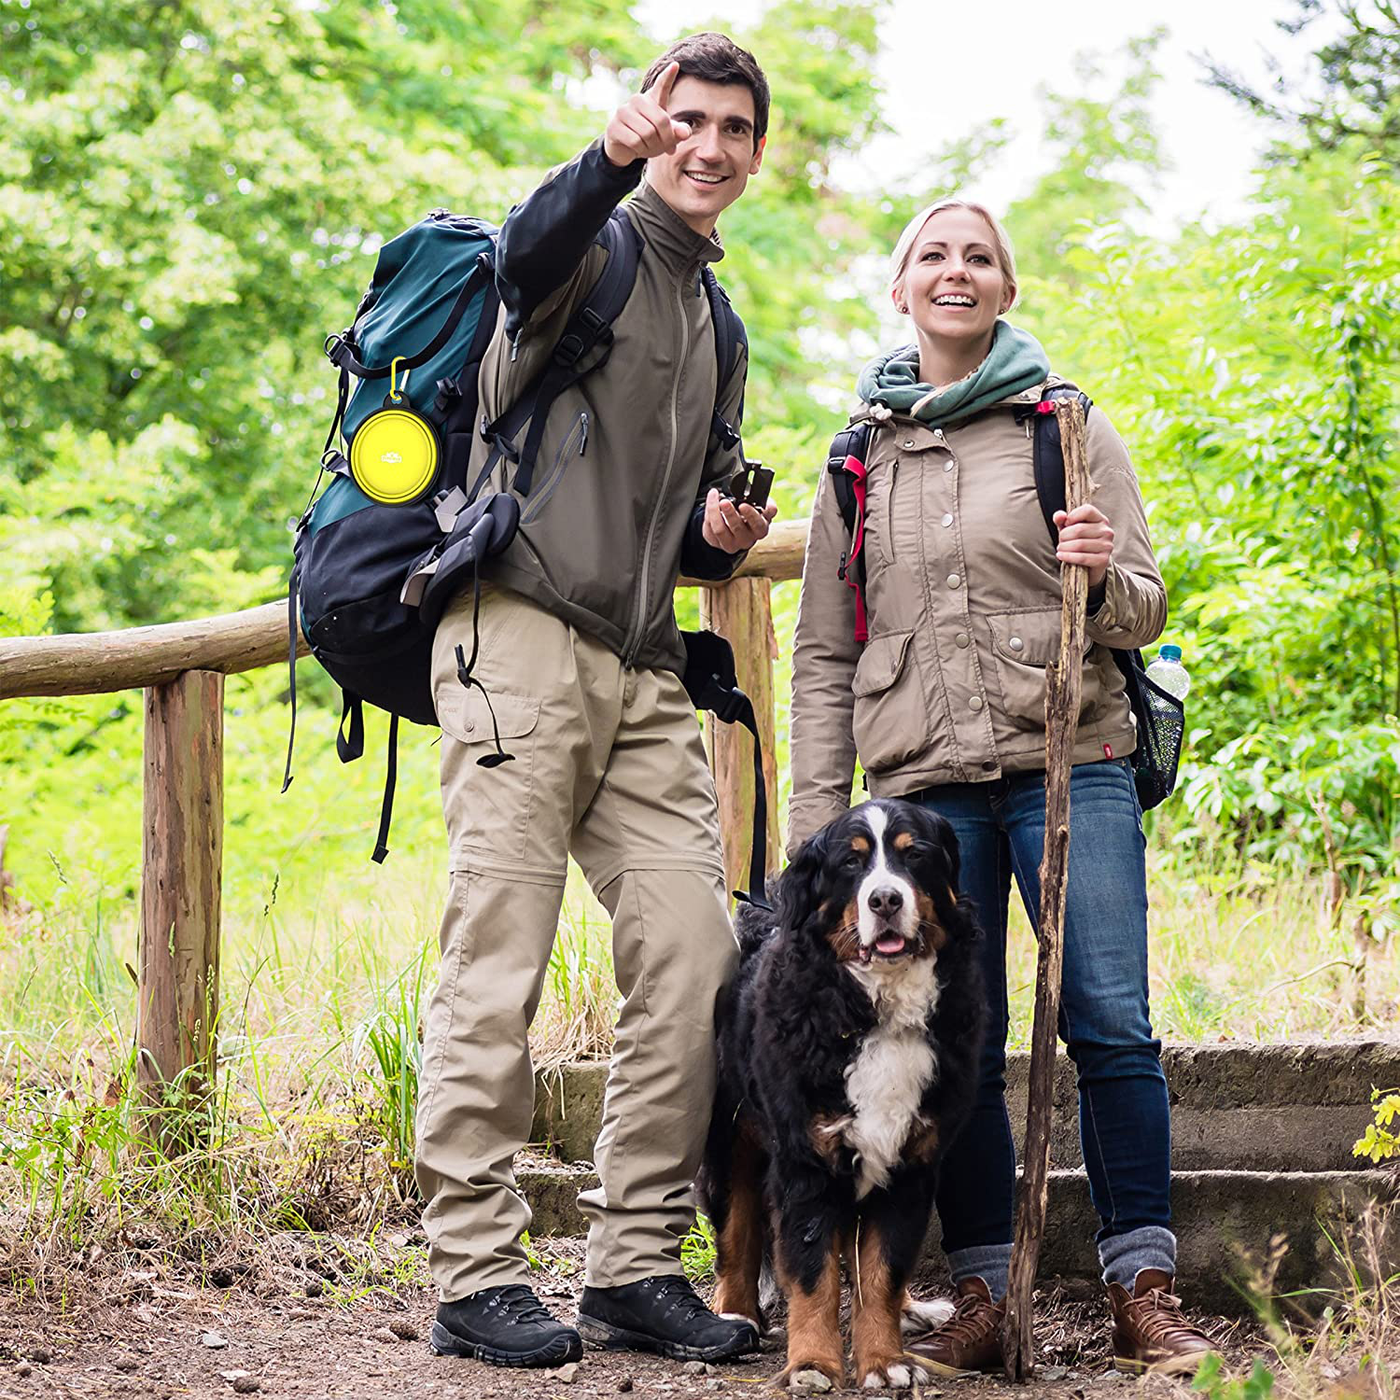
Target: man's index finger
pixel 662 90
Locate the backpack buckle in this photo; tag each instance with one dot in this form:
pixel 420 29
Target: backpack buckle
pixel 567 352
pixel 337 350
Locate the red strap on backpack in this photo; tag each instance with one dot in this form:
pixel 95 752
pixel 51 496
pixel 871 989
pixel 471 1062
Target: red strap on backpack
pixel 853 571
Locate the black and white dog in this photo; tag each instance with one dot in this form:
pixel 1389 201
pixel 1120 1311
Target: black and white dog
pixel 848 1048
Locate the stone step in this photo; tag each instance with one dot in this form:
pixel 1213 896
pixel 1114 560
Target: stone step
pixel 1221 1218
pixel 1296 1107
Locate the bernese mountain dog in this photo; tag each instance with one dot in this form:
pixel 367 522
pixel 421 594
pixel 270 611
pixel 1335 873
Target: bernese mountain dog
pixel 848 1049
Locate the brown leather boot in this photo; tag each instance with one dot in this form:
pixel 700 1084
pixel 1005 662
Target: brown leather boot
pixel 970 1340
pixel 1149 1331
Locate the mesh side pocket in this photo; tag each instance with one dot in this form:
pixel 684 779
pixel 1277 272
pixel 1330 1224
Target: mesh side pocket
pixel 1161 725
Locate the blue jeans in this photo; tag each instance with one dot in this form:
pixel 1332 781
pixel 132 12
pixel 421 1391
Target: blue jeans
pixel 1124 1120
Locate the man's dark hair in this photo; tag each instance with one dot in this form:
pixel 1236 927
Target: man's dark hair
pixel 716 58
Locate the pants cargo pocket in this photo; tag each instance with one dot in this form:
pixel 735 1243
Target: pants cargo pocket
pixel 487 808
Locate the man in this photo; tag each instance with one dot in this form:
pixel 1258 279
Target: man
pixel 581 660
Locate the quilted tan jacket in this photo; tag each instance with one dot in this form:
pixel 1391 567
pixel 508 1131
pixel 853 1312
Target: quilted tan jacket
pixel 963 604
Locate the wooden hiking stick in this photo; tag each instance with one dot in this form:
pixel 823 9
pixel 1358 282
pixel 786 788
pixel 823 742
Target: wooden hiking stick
pixel 1064 683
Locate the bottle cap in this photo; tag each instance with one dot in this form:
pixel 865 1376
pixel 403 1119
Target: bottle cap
pixel 1169 652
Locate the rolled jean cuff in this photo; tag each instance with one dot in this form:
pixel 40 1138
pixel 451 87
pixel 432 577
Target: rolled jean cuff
pixel 1124 1257
pixel 989 1262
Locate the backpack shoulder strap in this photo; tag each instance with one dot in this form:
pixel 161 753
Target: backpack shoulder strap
pixel 850 443
pixel 589 329
pixel 1047 452
pixel 846 466
pixel 729 336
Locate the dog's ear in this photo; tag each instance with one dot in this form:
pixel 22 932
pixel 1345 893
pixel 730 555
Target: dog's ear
pixel 799 885
pixel 944 840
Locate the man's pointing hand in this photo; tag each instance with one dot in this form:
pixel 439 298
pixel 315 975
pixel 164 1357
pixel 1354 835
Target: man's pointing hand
pixel 641 127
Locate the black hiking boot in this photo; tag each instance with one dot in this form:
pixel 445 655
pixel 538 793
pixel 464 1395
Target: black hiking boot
pixel 507 1326
pixel 663 1315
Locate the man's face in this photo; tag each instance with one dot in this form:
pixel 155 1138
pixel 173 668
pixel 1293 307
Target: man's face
pixel 708 172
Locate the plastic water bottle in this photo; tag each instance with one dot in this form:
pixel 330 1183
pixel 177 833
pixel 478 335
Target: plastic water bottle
pixel 1168 672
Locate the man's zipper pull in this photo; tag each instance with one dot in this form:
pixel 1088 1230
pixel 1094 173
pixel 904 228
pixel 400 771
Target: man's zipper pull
pixel 583 441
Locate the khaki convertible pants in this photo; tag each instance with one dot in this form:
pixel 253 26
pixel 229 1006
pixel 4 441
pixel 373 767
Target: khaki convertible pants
pixel 609 765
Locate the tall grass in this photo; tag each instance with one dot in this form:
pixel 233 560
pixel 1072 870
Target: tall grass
pixel 1334 1342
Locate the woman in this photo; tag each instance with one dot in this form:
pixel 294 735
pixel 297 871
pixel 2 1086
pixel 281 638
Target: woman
pixel 944 705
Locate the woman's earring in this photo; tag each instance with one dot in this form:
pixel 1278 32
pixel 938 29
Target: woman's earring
pixel 903 309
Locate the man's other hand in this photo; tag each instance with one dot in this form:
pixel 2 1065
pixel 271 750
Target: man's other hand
pixel 641 127
pixel 731 527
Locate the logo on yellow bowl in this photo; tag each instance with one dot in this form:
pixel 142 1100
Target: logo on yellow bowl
pixel 394 456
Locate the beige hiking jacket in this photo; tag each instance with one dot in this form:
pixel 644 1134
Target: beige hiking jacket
pixel 963 603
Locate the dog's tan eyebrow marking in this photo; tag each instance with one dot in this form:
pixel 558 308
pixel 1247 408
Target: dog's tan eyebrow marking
pixel 904 840
pixel 861 844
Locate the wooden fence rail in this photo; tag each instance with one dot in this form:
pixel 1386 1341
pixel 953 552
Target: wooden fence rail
pixel 182 665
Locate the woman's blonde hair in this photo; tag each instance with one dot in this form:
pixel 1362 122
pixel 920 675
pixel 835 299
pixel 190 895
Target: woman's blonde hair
pixel 1006 258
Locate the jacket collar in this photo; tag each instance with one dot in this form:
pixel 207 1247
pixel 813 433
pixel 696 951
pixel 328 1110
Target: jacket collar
pixel 668 235
pixel 879 414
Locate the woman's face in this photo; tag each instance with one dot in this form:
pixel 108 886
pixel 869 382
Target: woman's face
pixel 953 285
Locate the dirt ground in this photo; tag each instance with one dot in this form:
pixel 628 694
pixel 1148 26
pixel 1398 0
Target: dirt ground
pixel 181 1339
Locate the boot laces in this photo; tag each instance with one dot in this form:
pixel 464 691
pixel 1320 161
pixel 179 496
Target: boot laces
pixel 519 1304
pixel 972 1317
pixel 676 1294
pixel 1159 1314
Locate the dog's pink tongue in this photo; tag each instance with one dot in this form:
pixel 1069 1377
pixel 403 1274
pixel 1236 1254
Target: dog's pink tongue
pixel 890 943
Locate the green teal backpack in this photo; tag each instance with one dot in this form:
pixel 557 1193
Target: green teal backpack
pixel 371 577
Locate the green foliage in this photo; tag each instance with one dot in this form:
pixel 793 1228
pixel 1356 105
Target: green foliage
pixel 1213 1381
pixel 1354 90
pixel 1254 375
pixel 1380 1140
pixel 390 1040
pixel 698 1251
pixel 1098 144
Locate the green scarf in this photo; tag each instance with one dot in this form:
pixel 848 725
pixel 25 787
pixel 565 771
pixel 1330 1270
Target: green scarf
pixel 1015 363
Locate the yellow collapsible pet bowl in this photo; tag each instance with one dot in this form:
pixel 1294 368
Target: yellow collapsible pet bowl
pixel 394 456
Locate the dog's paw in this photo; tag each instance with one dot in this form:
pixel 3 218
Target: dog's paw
pixel 923 1315
pixel 895 1375
pixel 744 1317
pixel 810 1381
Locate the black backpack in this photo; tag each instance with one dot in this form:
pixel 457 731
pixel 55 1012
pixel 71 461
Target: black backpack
pixel 371 580
pixel 1160 717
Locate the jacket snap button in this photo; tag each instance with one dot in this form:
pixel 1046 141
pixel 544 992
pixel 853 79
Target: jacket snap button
pixel 948 465
pixel 1016 644
pixel 469 725
pixel 947 520
pixel 953 580
pixel 908 442
pixel 976 702
pixel 963 640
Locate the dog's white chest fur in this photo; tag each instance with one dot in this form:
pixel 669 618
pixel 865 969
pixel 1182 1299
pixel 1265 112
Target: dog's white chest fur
pixel 886 1081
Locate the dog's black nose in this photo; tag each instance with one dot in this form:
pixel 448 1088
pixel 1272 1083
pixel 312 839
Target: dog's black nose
pixel 885 902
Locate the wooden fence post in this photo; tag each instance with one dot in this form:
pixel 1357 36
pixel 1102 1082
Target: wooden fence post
pixel 741 611
pixel 182 841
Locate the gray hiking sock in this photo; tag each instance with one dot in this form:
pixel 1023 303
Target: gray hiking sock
pixel 989 1262
pixel 1125 1256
